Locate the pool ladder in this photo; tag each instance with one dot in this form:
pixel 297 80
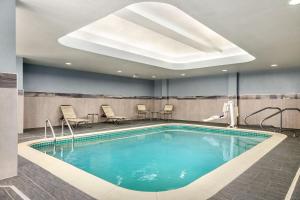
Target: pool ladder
pixel 47 122
pixel 63 121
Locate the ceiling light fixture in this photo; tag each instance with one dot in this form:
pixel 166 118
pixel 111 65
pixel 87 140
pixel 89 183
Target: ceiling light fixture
pixel 294 2
pixel 119 71
pixel 182 74
pixel 68 63
pixel 274 65
pixel 135 76
pixel 182 42
pixel 153 76
pixel 224 70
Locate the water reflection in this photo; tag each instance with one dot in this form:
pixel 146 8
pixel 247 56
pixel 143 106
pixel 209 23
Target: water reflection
pixel 182 174
pixel 153 162
pixel 231 147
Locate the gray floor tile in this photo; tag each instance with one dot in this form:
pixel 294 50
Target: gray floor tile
pixel 13 194
pixel 4 195
pixel 296 194
pixel 269 178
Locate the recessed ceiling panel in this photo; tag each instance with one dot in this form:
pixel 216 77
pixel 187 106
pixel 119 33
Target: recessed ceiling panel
pixel 156 34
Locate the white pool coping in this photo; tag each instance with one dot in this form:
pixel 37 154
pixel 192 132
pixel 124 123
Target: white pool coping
pixel 202 188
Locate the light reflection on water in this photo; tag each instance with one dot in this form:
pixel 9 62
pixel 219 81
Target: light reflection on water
pixel 154 162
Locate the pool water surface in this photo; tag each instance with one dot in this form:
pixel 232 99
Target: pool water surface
pixel 154 159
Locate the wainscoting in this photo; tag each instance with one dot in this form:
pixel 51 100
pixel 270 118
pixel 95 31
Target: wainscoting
pixel 41 106
pixel 291 119
pixel 8 125
pixel 196 109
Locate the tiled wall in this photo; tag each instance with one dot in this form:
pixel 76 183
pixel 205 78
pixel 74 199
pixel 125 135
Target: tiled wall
pixel 291 119
pixel 8 125
pixel 41 106
pixel 20 111
pixel 199 108
pixel 196 109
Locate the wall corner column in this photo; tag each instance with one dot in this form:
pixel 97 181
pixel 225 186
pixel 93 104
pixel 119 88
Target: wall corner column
pixel 8 90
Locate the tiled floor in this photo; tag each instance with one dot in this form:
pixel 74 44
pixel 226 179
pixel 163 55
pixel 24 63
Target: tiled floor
pixel 4 194
pixel 269 178
pixel 8 193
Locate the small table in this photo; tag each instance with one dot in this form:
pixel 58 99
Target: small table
pixel 154 113
pixel 93 117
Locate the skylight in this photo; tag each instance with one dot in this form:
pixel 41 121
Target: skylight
pixel 157 34
pixel 294 2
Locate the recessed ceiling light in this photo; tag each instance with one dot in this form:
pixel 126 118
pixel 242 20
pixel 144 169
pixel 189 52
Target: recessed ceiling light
pixel 68 63
pixel 153 76
pixel 182 74
pixel 224 70
pixel 274 65
pixel 294 2
pixel 119 71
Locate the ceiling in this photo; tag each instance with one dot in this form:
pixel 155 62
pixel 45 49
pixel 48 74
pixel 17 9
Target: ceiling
pixel 156 34
pixel 267 29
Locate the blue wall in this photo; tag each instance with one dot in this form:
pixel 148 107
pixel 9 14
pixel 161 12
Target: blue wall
pixel 199 86
pixel 19 64
pixel 277 81
pixel 273 81
pixel 7 36
pixel 158 88
pixel 49 79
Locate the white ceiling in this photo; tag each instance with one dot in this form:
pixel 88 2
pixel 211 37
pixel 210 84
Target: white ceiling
pixel 157 34
pixel 267 29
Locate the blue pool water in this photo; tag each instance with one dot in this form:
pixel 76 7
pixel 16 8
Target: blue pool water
pixel 154 159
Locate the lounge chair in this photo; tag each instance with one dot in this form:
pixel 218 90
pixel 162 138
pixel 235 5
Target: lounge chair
pixel 142 110
pixel 167 111
pixel 110 115
pixel 70 116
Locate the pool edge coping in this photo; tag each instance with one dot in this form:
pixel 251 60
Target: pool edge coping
pixel 202 188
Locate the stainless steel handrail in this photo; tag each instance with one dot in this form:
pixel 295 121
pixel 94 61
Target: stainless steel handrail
pixel 69 126
pixel 47 122
pixel 270 116
pixel 263 109
pixel 281 114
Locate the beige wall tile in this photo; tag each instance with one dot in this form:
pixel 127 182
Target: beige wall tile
pixel 8 132
pixel 290 118
pixel 20 114
pixel 38 109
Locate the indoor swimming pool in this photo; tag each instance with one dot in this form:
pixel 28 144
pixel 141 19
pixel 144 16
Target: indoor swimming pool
pixel 153 159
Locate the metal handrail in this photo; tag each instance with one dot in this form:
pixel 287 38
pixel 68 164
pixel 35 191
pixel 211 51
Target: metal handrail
pixel 281 114
pixel 69 126
pixel 263 109
pixel 47 122
pixel 270 116
pixel 292 109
